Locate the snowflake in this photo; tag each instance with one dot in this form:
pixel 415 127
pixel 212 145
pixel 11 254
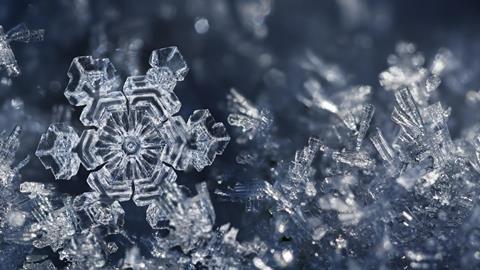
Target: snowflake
pixel 134 134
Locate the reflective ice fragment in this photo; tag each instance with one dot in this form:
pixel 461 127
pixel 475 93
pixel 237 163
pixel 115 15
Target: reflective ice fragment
pixel 86 250
pixel 346 104
pixel 54 228
pixel 8 148
pixel 94 209
pixel 364 123
pixel 406 114
pixel 192 218
pixel 38 262
pixel 7 58
pixel 19 33
pixel 243 114
pixel 382 147
pixel 55 151
pixel 355 159
pixel 207 138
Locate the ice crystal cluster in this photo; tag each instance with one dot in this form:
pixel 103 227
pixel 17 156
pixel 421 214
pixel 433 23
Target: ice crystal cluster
pixel 348 149
pixel 19 33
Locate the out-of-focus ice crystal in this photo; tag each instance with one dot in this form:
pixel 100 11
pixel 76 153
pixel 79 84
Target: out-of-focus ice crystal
pixel 86 251
pixel 407 71
pixel 8 148
pixel 94 210
pixel 55 222
pixel 192 218
pixel 38 262
pixel 55 151
pixel 251 120
pixel 19 33
pixel 346 104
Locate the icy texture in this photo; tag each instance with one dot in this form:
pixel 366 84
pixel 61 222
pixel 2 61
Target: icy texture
pixel 55 151
pixel 289 192
pixel 76 228
pixel 135 130
pixel 423 133
pixel 95 210
pixel 86 251
pixel 38 262
pixel 170 59
pixel 19 33
pixel 8 148
pixel 346 104
pixel 407 70
pixel 192 219
pixel 93 84
pixel 195 143
pixel 333 174
pixel 55 221
pixel 251 120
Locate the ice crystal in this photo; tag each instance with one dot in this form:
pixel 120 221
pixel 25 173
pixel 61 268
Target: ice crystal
pixel 8 148
pixel 135 132
pixel 288 194
pixel 55 151
pixel 38 262
pixel 19 33
pixel 346 104
pixel 85 251
pixel 407 70
pixel 423 133
pixel 55 220
pixel 251 120
pixel 95 210
pixel 192 219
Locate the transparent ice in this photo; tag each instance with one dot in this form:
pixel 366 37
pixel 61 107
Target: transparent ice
pixel 135 133
pixel 19 33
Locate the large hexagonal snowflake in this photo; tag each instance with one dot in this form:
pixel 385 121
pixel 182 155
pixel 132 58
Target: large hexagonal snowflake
pixel 135 140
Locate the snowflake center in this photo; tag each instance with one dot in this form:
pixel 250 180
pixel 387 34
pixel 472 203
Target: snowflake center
pixel 131 145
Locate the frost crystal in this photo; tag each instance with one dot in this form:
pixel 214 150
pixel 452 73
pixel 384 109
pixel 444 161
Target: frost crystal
pixel 55 151
pixel 55 220
pixel 407 71
pixel 95 210
pixel 18 33
pixel 423 133
pixel 85 251
pixel 8 147
pixel 251 120
pixel 192 218
pixel 347 104
pixel 135 132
